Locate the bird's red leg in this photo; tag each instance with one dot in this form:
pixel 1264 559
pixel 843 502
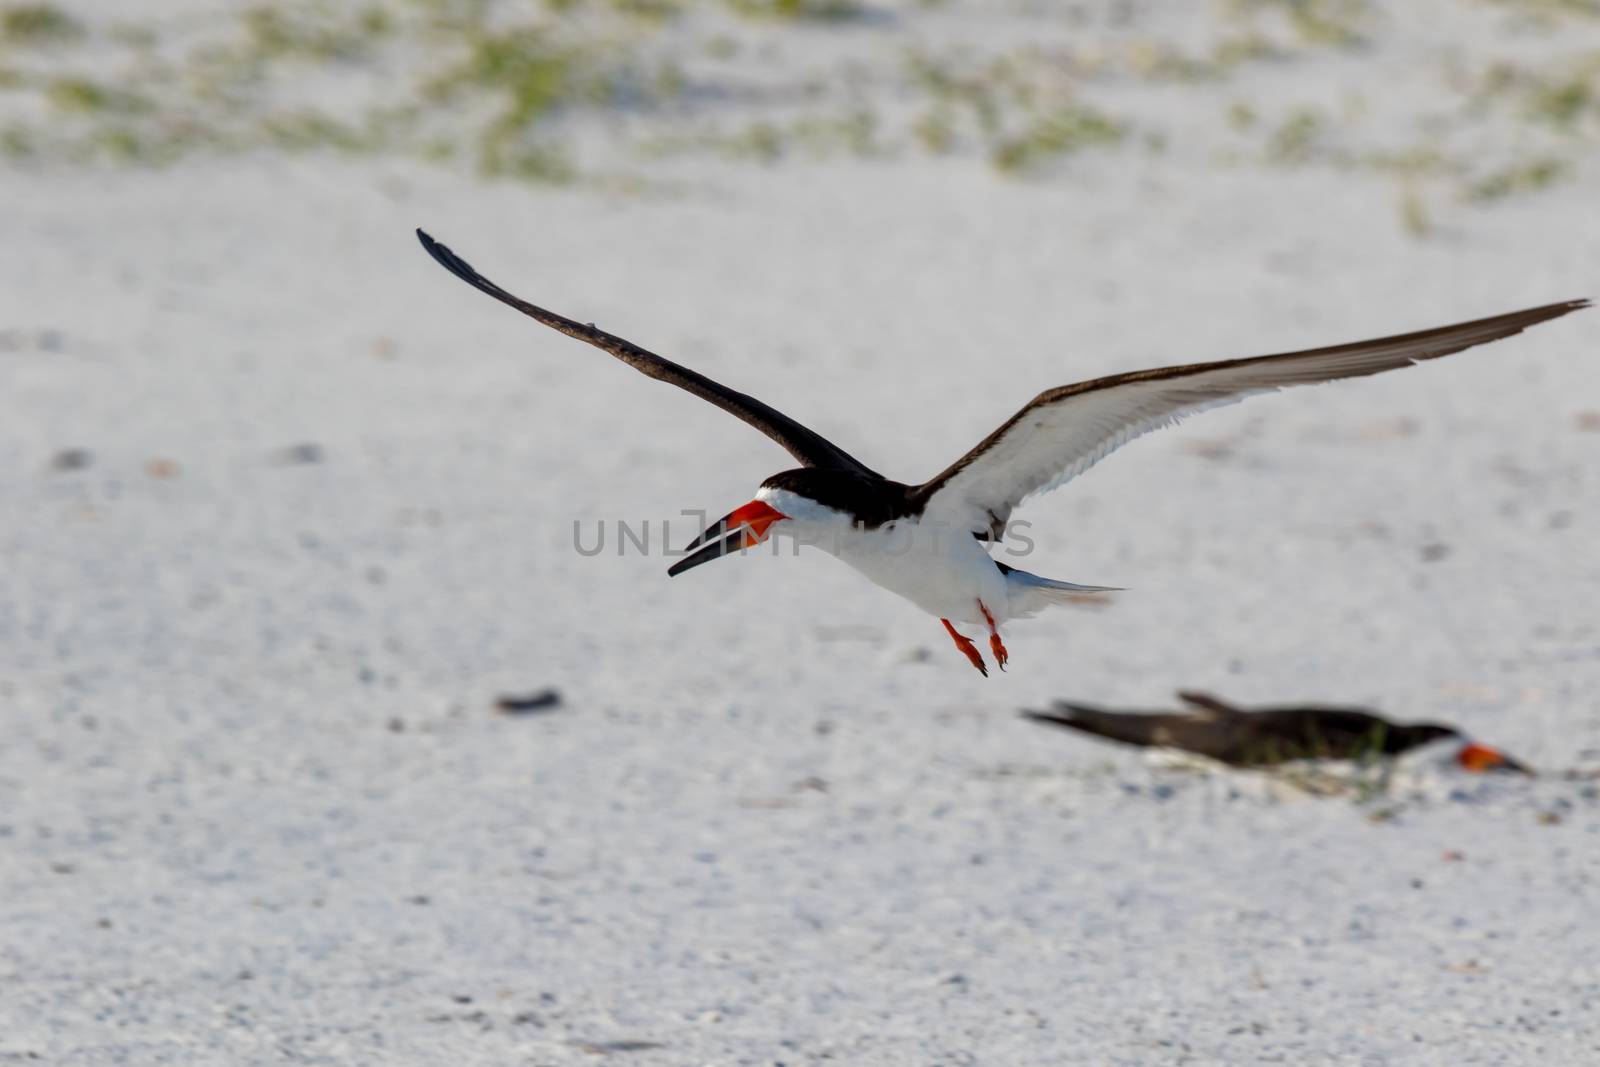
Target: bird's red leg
pixel 995 646
pixel 967 647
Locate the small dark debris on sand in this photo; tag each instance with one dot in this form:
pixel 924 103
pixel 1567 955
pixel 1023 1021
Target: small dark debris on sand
pixel 71 459
pixel 164 469
pixel 606 1048
pixel 301 455
pixel 529 704
pixel 46 340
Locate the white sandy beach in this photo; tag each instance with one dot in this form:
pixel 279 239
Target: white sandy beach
pixel 256 804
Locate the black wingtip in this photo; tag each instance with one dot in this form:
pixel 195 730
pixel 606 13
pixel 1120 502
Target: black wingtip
pixel 1063 714
pixel 428 242
pixel 1555 311
pixel 1534 316
pixel 1196 698
pixel 447 259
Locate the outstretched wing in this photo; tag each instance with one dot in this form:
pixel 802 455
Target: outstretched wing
pixel 1063 432
pixel 805 445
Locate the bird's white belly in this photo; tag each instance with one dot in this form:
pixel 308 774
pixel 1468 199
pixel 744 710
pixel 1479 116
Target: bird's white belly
pixel 943 572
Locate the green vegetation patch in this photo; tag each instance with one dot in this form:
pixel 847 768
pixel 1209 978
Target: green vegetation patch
pixel 1061 132
pixel 540 90
pixel 813 10
pixel 36 24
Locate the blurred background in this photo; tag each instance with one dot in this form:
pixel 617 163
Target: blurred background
pixel 1449 103
pixel 285 512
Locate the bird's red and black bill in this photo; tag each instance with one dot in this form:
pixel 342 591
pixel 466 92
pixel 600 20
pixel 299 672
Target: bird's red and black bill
pixel 741 528
pixel 1481 759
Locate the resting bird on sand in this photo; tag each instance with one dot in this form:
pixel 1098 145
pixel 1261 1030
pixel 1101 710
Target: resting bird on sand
pixel 930 542
pixel 1265 737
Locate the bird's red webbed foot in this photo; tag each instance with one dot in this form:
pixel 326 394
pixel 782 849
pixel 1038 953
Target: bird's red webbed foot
pixel 995 645
pixel 967 648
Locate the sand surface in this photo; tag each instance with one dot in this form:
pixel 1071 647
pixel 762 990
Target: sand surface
pixel 256 803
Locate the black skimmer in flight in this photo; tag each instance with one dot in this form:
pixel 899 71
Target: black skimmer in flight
pixel 1266 737
pixel 930 542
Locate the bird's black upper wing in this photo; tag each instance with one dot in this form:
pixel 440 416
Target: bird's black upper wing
pixel 805 445
pixel 1063 432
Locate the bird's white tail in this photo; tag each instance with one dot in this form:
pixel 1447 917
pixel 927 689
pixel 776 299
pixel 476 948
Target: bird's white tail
pixel 1030 593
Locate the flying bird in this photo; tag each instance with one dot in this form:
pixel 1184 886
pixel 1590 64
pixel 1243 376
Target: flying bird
pixel 930 542
pixel 1266 737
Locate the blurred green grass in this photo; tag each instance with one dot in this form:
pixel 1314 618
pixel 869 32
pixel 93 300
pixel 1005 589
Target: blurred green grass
pixel 596 90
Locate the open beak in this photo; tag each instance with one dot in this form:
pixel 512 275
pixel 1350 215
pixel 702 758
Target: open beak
pixel 1481 759
pixel 742 528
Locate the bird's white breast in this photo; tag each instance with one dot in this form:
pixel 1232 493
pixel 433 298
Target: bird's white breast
pixel 942 570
